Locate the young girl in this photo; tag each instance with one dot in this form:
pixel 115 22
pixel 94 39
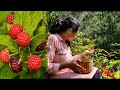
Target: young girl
pixel 59 54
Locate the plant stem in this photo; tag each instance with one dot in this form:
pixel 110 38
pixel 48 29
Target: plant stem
pixel 25 62
pixel 14 53
pixel 31 39
pixel 29 50
pixel 24 69
pixel 20 60
pixel 19 48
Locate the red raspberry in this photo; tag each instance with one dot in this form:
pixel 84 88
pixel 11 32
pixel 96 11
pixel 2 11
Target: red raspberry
pixel 15 30
pixel 15 65
pixel 23 39
pixel 41 46
pixel 101 62
pixel 4 56
pixel 10 18
pixel 34 62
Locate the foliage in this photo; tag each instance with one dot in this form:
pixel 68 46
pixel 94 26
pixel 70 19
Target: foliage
pixel 80 43
pixel 102 26
pixel 107 62
pixel 110 67
pixel 34 23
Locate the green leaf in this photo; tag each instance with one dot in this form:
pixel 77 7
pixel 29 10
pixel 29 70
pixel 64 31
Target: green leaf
pixel 3 29
pixel 4 15
pixel 113 63
pixel 29 20
pixel 24 74
pixel 44 59
pixel 1 47
pixel 44 63
pixel 1 64
pixel 7 41
pixel 37 40
pixel 42 28
pixel 6 72
pixel 117 74
pixel 9 26
pixel 39 74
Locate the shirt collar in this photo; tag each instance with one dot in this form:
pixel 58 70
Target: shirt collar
pixel 59 37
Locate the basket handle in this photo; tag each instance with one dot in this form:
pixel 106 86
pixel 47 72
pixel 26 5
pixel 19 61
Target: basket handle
pixel 79 66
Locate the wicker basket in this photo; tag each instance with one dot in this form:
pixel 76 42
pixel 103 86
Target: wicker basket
pixel 87 64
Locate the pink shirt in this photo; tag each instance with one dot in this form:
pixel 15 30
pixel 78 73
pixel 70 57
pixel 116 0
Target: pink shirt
pixel 58 53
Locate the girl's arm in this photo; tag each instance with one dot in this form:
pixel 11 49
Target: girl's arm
pixel 86 52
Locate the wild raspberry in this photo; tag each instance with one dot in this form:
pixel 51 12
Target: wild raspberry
pixel 34 62
pixel 15 30
pixel 10 18
pixel 41 46
pixel 4 56
pixel 23 39
pixel 15 65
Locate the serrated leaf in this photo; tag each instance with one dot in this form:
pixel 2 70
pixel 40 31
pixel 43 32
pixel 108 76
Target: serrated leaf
pixel 41 28
pixel 7 41
pixel 3 29
pixel 29 20
pixel 1 64
pixel 4 15
pixel 44 59
pixel 9 26
pixel 44 63
pixel 6 73
pixel 37 40
pixel 1 47
pixel 39 74
pixel 24 74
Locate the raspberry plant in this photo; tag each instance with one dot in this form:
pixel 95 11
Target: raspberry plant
pixel 25 31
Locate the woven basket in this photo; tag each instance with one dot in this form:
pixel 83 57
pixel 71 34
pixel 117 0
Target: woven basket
pixel 87 64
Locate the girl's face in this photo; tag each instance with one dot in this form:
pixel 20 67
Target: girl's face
pixel 70 35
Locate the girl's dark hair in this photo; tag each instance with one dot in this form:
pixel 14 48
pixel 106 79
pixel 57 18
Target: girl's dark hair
pixel 61 25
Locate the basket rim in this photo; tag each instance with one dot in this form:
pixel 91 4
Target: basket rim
pixel 86 60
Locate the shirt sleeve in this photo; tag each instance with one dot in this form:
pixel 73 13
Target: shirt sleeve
pixel 76 57
pixel 52 67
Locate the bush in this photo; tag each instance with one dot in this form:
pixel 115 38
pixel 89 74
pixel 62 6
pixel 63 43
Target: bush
pixel 107 62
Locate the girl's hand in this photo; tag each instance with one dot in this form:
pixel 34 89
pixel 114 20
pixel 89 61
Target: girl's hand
pixel 91 49
pixel 75 66
pixel 88 52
